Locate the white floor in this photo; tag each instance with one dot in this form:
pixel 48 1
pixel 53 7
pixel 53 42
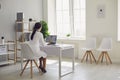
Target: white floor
pixel 83 71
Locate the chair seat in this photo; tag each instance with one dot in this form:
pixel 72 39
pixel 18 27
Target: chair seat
pixel 103 49
pixel 88 49
pixel 32 57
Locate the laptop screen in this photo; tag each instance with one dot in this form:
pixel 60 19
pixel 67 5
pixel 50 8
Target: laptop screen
pixel 51 39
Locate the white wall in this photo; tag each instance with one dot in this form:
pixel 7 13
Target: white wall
pixel 9 8
pixel 45 10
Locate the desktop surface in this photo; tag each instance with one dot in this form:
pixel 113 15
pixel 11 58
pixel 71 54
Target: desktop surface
pixel 57 45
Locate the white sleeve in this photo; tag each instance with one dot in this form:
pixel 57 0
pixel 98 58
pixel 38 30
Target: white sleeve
pixel 42 41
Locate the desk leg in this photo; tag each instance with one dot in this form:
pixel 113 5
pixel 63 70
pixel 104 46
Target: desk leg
pixel 60 61
pixel 60 56
pixel 73 60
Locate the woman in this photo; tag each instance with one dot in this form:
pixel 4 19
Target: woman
pixel 37 40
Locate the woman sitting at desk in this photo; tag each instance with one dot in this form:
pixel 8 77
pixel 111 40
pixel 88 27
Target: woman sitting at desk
pixel 37 40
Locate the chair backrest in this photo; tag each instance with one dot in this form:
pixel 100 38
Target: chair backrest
pixel 26 51
pixel 90 43
pixel 106 43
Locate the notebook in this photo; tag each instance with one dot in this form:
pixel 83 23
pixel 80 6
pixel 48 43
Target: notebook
pixel 51 39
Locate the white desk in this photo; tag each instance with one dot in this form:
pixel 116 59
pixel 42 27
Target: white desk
pixel 57 50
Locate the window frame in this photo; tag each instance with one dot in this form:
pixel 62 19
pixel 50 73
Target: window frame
pixel 71 10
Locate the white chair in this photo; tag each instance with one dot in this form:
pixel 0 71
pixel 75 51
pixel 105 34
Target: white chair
pixel 28 54
pixel 89 46
pixel 105 46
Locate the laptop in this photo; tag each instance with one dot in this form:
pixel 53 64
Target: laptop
pixel 51 39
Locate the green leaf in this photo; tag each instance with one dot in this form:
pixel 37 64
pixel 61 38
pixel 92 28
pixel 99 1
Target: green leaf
pixel 44 29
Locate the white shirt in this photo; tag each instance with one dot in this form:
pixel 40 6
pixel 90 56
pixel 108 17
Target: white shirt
pixel 35 44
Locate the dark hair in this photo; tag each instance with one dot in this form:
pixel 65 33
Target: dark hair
pixel 35 28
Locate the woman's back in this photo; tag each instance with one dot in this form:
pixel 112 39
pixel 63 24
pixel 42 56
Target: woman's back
pixel 37 41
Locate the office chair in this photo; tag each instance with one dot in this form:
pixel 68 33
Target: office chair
pixel 105 46
pixel 29 55
pixel 89 46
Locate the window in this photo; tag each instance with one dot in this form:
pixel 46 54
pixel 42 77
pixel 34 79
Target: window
pixel 70 18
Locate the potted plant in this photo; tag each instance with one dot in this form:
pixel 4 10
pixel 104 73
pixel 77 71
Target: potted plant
pixel 68 35
pixel 44 29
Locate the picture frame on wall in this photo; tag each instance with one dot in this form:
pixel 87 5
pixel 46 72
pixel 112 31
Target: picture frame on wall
pixel 101 11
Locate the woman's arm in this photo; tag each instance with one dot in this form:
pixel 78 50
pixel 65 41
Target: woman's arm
pixel 42 41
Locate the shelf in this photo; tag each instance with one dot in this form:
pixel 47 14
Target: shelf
pixel 27 31
pixel 10 52
pixel 6 43
pixel 24 31
pixel 7 50
pixel 6 62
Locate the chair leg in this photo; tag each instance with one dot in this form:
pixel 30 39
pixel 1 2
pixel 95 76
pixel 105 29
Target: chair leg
pixel 36 65
pixel 83 56
pixel 31 70
pixel 100 57
pixel 24 67
pixel 92 56
pixel 108 58
pixel 87 54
